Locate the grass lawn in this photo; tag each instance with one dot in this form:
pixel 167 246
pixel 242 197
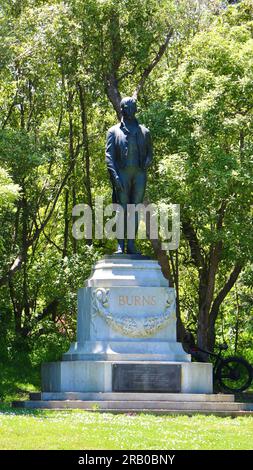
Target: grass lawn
pixel 39 429
pixel 75 429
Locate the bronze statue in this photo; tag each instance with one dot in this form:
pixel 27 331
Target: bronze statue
pixel 128 155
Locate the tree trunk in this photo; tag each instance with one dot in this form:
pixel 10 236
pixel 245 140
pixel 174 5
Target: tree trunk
pixel 74 242
pixel 66 224
pixel 86 149
pixel 218 301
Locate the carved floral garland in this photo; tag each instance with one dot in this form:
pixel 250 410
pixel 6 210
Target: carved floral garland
pixel 143 326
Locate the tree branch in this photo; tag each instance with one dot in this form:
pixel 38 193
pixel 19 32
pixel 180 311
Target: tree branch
pixel 112 91
pixel 9 112
pixel 161 255
pixel 48 217
pixel 224 292
pixel 50 309
pixel 215 254
pixel 17 263
pixel 147 71
pixel 111 80
pixel 191 236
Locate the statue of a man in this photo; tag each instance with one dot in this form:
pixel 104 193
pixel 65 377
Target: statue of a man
pixel 128 155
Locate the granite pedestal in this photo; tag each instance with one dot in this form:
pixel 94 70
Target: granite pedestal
pixel 126 336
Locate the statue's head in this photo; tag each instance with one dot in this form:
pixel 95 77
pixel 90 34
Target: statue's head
pixel 128 107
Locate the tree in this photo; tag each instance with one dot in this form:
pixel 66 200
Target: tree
pixel 208 170
pixel 64 67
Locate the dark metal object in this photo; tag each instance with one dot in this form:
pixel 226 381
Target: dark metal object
pixel 128 155
pixel 146 378
pixel 233 374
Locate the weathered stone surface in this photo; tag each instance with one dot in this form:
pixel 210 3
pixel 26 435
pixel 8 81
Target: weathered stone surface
pixel 131 396
pixel 163 407
pixel 136 319
pixel 96 376
pixel 126 320
pixel 126 271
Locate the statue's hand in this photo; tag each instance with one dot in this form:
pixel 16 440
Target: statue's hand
pixel 118 184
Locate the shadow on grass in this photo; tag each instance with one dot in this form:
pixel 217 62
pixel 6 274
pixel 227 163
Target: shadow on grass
pixel 6 408
pixel 17 379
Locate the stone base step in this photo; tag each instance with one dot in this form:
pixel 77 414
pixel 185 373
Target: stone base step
pixel 133 406
pixel 126 396
pixel 133 357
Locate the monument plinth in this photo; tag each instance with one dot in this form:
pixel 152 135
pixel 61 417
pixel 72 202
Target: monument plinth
pixel 126 328
pixel 126 335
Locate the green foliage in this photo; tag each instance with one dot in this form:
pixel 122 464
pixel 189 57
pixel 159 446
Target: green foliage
pixel 204 122
pixel 9 191
pixel 57 59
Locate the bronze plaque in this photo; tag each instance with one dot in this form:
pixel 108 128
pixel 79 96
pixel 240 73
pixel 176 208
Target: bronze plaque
pixel 146 378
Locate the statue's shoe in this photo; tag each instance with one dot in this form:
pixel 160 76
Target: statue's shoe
pixel 120 249
pixel 118 252
pixel 131 250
